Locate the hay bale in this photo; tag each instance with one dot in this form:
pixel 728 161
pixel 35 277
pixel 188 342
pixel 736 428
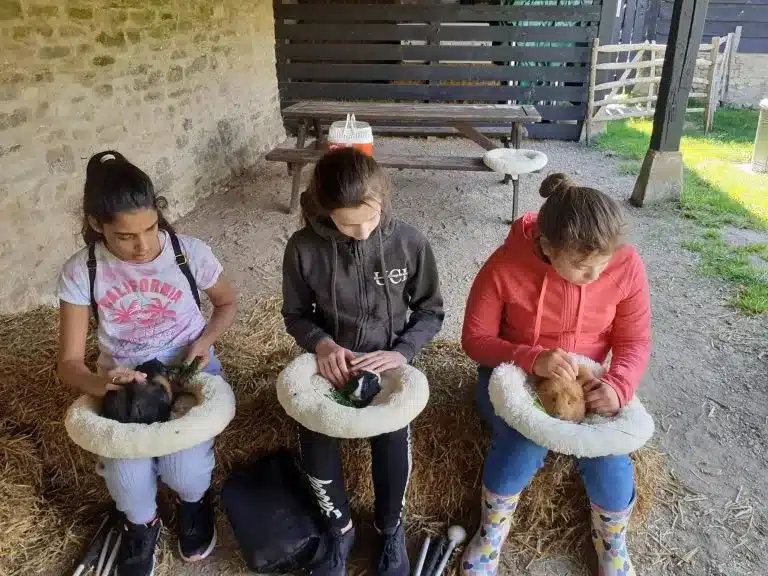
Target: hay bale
pixel 62 496
pixel 18 476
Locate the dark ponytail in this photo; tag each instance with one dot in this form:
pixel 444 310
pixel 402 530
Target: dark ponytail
pixel 112 186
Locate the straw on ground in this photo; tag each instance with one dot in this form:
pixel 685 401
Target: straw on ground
pixel 62 496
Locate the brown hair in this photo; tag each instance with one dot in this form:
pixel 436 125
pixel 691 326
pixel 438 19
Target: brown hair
pixel 579 218
pixel 345 178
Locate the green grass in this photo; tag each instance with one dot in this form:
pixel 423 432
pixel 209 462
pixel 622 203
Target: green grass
pixel 717 192
pixel 738 266
pixel 631 168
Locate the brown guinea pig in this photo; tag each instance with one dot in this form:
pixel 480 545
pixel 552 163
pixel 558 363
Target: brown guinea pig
pixel 564 398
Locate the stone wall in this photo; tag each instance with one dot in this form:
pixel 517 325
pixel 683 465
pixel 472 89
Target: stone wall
pixel 748 82
pixel 186 89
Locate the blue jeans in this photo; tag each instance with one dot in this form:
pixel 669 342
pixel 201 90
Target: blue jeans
pixel 132 482
pixel 513 460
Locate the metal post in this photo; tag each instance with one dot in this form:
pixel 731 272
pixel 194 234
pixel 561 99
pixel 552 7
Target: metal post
pixel 760 151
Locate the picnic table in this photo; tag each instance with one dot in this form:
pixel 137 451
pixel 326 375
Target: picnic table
pixel 461 117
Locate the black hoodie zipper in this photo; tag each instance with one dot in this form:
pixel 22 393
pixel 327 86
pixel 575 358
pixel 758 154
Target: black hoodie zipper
pixel 362 295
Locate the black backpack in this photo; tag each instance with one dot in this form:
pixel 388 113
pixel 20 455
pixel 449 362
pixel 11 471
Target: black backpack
pixel 181 261
pixel 274 514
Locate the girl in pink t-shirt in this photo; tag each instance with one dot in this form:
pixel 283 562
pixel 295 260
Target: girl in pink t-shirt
pixel 564 282
pixel 140 282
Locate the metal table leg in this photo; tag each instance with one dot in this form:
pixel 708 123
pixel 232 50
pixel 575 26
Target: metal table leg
pixel 516 136
pixel 318 133
pixel 515 192
pixel 301 136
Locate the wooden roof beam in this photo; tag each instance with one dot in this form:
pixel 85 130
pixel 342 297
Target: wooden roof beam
pixel 661 176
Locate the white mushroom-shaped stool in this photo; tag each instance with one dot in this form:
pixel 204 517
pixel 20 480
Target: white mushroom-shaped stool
pixel 213 410
pixel 512 162
pixel 513 397
pixel 308 398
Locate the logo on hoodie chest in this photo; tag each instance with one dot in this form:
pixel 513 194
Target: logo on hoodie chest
pixel 394 276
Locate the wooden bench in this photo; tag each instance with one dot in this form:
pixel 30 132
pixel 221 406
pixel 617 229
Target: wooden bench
pixel 460 117
pixel 460 163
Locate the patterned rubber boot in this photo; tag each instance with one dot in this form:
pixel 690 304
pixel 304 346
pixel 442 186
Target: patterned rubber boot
pixel 481 558
pixel 609 535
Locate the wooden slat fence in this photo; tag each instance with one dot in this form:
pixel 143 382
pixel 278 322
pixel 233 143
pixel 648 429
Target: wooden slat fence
pixel 629 22
pixel 723 16
pixel 443 53
pixel 632 90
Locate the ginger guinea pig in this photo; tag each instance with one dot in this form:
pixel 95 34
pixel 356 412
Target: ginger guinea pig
pixel 564 398
pixel 141 402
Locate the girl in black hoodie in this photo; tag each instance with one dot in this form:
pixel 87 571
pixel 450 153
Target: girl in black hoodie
pixel 360 290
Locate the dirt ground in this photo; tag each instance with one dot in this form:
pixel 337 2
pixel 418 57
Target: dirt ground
pixel 707 383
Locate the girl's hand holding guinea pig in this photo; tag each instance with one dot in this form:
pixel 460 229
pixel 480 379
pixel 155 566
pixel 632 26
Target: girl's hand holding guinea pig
pixel 333 362
pixel 119 376
pixel 380 361
pixel 601 398
pixel 556 363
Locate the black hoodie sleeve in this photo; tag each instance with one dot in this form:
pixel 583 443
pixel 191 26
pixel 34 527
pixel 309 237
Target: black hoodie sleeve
pixel 298 301
pixel 426 304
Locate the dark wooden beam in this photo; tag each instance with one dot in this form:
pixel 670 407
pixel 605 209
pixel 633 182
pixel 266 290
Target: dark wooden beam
pixel 677 73
pixel 605 31
pixel 651 19
pixel 661 176
pixel 469 132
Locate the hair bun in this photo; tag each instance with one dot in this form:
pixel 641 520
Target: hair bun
pixel 97 162
pixel 555 184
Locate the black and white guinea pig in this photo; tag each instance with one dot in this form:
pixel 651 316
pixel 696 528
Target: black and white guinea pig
pixel 141 402
pixel 362 388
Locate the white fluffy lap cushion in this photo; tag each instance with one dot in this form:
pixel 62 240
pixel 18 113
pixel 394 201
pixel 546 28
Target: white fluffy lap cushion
pixel 214 411
pixel 514 162
pixel 512 395
pixel 306 397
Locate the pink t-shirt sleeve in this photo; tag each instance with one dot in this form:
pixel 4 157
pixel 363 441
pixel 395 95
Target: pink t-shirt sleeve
pixel 204 265
pixel 74 286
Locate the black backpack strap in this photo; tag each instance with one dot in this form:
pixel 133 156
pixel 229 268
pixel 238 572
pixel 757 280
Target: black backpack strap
pixel 181 260
pixel 91 264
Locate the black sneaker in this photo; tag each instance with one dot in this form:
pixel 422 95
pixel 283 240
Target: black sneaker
pixel 196 528
pixel 136 555
pixel 394 555
pixel 335 561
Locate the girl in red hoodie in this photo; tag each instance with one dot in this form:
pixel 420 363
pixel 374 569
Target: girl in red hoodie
pixel 563 282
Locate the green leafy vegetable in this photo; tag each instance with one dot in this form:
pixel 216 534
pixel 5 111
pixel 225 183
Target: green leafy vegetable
pixel 340 398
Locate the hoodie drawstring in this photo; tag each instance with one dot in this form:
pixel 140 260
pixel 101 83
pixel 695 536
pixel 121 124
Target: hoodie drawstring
pixel 390 334
pixel 540 310
pixel 580 313
pixel 333 294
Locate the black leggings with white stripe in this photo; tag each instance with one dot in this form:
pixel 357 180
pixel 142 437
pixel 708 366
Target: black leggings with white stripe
pixel 391 467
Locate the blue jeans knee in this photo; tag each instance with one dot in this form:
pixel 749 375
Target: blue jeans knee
pixel 513 459
pixel 609 480
pixel 511 462
pixel 482 398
